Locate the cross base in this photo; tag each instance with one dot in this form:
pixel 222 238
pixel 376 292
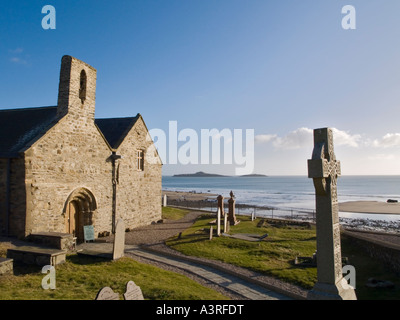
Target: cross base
pixel 326 291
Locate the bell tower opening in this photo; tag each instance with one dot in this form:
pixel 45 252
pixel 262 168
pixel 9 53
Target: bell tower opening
pixel 82 86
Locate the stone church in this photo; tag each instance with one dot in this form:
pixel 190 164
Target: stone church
pixel 61 169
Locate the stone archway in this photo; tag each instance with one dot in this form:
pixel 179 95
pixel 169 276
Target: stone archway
pixel 79 209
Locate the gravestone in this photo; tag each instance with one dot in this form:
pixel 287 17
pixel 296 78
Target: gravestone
pixel 165 200
pixel 324 170
pixel 211 233
pixel 226 224
pixel 88 233
pixel 119 240
pixel 220 199
pixel 231 215
pixel 218 222
pixel 107 293
pixel 133 292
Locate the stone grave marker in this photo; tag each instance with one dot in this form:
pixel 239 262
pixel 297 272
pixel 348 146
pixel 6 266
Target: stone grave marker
pixel 165 200
pixel 119 240
pixel 107 293
pixel 211 233
pixel 324 170
pixel 133 292
pixel 219 222
pixel 226 224
pixel 231 214
pixel 220 199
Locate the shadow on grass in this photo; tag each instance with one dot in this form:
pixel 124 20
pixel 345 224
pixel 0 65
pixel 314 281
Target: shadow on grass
pixel 86 260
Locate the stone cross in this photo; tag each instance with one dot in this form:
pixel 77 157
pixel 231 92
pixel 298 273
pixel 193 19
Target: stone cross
pixel 218 222
pixel 324 169
pixel 119 240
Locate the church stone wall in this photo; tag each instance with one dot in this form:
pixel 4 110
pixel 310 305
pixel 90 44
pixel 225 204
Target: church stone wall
pixel 138 192
pixel 68 157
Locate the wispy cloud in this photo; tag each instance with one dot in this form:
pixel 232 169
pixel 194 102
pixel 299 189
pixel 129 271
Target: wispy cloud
pixel 17 56
pixel 18 60
pixel 303 137
pixel 389 140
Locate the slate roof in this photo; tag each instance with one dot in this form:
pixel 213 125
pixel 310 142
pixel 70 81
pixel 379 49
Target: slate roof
pixel 115 129
pixel 19 128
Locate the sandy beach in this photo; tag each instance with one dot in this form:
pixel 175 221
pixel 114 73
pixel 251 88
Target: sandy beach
pixel 188 196
pixel 376 207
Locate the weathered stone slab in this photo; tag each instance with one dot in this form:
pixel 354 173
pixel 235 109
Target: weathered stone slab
pixel 6 266
pixel 37 256
pixel 119 240
pixel 133 292
pixel 107 293
pixel 57 240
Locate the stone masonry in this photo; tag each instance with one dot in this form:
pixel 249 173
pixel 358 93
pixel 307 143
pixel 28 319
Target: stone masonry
pixel 69 162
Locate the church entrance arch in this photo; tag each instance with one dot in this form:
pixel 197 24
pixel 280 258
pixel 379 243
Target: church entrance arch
pixel 79 209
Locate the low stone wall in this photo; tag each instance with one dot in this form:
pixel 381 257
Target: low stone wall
pixel 384 250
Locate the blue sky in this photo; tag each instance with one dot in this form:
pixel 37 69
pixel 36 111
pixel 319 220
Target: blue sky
pixel 281 68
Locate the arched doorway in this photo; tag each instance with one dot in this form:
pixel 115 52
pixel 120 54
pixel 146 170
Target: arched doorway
pixel 78 211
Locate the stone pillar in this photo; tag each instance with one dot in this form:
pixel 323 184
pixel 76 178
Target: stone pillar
pixel 219 222
pixel 165 200
pixel 220 199
pixel 324 170
pixel 231 214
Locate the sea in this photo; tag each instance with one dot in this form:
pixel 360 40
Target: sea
pixel 295 195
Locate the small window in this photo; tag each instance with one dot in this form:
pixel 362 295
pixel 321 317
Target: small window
pixel 82 86
pixel 140 160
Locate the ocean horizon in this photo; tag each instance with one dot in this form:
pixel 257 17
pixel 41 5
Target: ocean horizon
pixel 293 192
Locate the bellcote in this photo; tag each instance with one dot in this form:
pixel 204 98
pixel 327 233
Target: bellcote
pixel 77 89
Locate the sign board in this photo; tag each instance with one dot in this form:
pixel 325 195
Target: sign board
pixel 88 233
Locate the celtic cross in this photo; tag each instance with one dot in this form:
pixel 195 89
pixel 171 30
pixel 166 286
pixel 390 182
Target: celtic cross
pixel 324 169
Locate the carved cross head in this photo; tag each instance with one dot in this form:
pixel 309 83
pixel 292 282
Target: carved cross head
pixel 323 164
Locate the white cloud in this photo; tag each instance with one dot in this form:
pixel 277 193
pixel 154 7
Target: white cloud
pixel 264 138
pixel 302 137
pixel 342 138
pixel 388 141
pixel 382 157
pixel 18 60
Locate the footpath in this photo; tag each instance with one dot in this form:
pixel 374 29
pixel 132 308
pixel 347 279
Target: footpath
pixel 230 281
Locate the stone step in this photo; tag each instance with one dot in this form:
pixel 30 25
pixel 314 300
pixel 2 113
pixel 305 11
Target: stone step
pixel 37 255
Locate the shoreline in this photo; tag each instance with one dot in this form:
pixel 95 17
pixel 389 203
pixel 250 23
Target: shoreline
pixel 365 207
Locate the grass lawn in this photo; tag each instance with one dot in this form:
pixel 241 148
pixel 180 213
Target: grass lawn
pixel 274 256
pixel 173 213
pixel 80 278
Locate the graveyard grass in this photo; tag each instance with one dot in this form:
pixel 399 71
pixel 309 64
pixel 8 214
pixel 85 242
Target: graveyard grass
pixel 80 278
pixel 173 213
pixel 272 256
